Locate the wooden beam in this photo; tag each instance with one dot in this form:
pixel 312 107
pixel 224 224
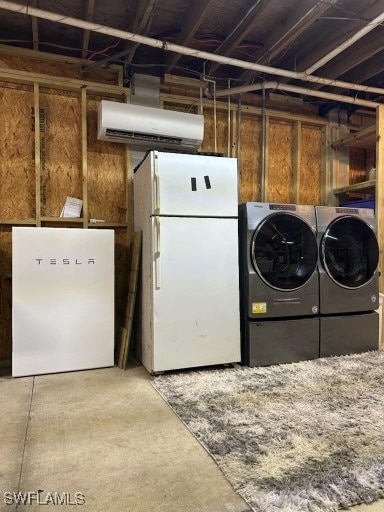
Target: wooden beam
pixel 380 188
pixel 366 135
pixel 264 197
pixel 36 94
pixel 296 154
pixel 84 153
pixel 327 41
pixel 349 59
pixel 192 20
pixel 241 29
pixel 366 70
pixel 55 82
pixel 325 175
pixel 298 21
pixel 141 23
pixel 90 7
pixel 35 29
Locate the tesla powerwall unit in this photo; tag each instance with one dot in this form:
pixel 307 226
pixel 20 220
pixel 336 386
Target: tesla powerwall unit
pixel 152 127
pixel 63 299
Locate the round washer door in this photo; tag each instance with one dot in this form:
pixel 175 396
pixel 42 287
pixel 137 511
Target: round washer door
pixel 349 252
pixel 284 251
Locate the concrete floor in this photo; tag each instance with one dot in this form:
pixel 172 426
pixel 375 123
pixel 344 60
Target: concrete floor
pixel 109 435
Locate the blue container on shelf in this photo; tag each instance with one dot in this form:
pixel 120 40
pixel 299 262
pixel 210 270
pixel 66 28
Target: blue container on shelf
pixel 359 203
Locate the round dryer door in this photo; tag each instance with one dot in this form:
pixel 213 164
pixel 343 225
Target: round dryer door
pixel 284 251
pixel 350 252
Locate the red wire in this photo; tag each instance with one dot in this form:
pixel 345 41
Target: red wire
pixel 104 50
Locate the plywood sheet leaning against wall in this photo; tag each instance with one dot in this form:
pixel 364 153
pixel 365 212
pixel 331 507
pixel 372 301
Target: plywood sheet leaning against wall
pixel 279 162
pixel 61 153
pixel 250 158
pixel 5 292
pixel 107 170
pixel 310 165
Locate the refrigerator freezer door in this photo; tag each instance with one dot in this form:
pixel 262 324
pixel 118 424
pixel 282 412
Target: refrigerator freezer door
pixel 195 293
pixel 191 185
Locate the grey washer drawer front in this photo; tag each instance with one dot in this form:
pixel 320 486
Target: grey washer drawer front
pixel 281 341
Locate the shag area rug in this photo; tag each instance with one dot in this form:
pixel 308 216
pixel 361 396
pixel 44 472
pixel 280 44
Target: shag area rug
pixel 301 437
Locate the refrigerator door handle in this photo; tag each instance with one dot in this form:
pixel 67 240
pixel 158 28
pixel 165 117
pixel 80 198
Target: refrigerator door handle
pixel 157 191
pixel 157 254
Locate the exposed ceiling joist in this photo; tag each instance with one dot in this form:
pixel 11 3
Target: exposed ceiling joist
pixel 35 28
pixel 192 52
pixel 141 23
pixel 368 47
pixel 367 70
pixel 299 20
pixel 192 20
pixel 90 7
pixel 241 29
pixel 329 40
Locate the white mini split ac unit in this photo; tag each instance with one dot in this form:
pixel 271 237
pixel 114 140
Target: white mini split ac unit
pixel 152 127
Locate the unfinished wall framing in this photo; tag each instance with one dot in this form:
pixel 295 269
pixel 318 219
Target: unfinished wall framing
pixel 50 150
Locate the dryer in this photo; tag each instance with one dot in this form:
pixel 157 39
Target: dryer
pixel 278 283
pixel 349 255
pixel 348 280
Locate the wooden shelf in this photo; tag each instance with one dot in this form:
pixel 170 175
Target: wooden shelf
pixel 18 222
pixel 65 220
pixel 107 224
pixel 365 138
pixel 366 187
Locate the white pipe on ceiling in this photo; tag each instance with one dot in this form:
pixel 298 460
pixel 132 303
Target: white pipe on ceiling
pixel 297 89
pixel 349 42
pixel 121 34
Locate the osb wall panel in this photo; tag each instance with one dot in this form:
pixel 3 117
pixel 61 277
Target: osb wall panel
pixel 60 69
pixel 357 165
pixel 17 171
pixel 61 163
pixel 5 292
pixel 279 167
pixel 250 158
pixel 310 165
pixel 106 172
pixel 221 132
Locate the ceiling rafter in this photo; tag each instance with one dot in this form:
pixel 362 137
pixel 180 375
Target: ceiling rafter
pixel 141 23
pixel 192 19
pixel 35 28
pixel 89 10
pixel 298 21
pixel 334 38
pixel 241 29
pixel 367 69
pixel 346 61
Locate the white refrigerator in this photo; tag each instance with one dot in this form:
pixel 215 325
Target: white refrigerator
pixel 187 206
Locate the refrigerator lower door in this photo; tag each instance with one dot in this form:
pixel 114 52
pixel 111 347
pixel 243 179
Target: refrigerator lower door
pixel 195 292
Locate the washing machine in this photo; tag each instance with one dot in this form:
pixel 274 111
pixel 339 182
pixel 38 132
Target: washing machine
pixel 348 280
pixel 278 283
